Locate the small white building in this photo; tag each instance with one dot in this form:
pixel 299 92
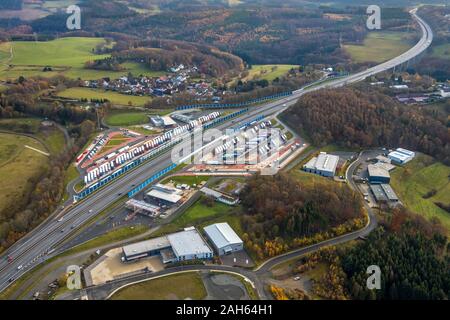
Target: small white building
pixel 223 238
pixel 401 156
pixel 324 164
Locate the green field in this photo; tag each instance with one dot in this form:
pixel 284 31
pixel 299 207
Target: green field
pixel 441 51
pixel 66 56
pixel 127 118
pixel 111 237
pixel 113 97
pixel 379 47
pixel 416 179
pixel 268 71
pixel 177 287
pixel 19 167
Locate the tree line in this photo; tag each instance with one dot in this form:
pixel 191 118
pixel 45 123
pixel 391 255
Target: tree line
pixel 278 210
pixel 360 119
pixel 411 252
pixel 21 100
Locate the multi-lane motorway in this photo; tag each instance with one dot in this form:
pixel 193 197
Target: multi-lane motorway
pixel 32 249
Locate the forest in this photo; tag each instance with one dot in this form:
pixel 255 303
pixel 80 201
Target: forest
pixel 278 210
pixel 260 34
pixel 354 118
pixel 412 254
pixel 160 55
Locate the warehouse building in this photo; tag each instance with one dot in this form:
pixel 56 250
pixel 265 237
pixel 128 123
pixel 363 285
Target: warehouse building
pixel 181 246
pixel 189 245
pixel 389 192
pixel 223 238
pixel 324 164
pixel 377 174
pixel 401 156
pixel 165 194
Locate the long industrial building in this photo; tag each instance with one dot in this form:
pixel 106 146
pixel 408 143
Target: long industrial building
pixel 180 246
pixel 223 238
pixel 324 164
pixel 383 193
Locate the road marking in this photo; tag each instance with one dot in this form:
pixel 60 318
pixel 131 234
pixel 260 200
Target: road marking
pixel 37 150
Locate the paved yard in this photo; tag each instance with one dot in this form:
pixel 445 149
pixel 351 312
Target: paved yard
pixel 110 266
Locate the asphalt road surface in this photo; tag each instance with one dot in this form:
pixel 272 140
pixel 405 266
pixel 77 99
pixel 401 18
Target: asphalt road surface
pixel 32 250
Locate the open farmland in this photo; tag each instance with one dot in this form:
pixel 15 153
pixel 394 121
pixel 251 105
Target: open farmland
pixel 19 167
pixel 419 177
pixel 268 71
pixel 65 56
pixel 113 97
pixel 379 47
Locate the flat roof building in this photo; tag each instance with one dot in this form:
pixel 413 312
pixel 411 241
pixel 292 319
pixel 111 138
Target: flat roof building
pixel 389 192
pixel 383 193
pixel 223 238
pixel 145 248
pixel 189 245
pixel 378 193
pixel 324 164
pixel 378 174
pixel 164 193
pixel 180 246
pixel 401 156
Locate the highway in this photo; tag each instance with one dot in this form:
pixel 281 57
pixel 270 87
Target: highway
pixel 31 250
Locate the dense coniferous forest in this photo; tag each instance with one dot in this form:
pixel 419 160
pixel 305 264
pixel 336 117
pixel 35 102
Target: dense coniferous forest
pixel 357 119
pixel 411 253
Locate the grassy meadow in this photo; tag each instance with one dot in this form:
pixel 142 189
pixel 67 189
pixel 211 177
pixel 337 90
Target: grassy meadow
pixel 65 56
pixel 420 176
pixel 379 47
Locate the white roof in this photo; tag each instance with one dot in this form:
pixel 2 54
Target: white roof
pixel 146 246
pixel 399 155
pixel 188 242
pixel 170 197
pixel 407 152
pixel 222 235
pixel 323 162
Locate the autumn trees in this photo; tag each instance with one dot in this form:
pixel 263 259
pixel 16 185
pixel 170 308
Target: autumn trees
pixel 357 119
pixel 280 213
